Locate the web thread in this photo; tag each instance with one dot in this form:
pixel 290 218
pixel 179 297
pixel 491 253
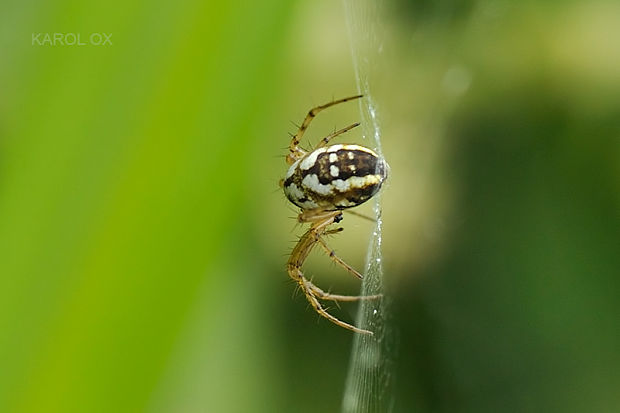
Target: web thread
pixel 368 383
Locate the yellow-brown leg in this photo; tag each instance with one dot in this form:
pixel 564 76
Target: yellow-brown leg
pixel 322 295
pixel 357 214
pixel 319 217
pixel 320 220
pixel 329 137
pixel 295 152
pixel 330 252
pixel 319 309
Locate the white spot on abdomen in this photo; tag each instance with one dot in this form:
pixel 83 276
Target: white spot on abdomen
pixel 312 183
pixel 292 192
pixel 355 182
pixel 310 160
pixel 291 170
pixel 334 171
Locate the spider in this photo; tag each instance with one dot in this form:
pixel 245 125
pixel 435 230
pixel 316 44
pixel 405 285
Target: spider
pixel 323 183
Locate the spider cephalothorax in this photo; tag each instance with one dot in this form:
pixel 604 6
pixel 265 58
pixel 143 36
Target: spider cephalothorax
pixel 323 182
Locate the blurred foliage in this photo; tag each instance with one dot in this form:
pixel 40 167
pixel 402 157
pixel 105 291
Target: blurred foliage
pixel 521 313
pixel 143 235
pixel 123 186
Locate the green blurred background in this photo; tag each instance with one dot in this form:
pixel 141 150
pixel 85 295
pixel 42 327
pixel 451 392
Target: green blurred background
pixel 143 234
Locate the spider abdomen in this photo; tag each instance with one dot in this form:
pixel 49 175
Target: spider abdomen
pixel 335 177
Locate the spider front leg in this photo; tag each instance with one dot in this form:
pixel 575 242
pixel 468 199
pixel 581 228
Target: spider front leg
pixel 329 137
pixel 295 152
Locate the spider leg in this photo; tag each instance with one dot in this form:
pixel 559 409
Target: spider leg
pixel 357 214
pixel 336 258
pixel 323 295
pixel 333 231
pixel 295 152
pixel 326 139
pixel 311 291
pixel 320 220
pixel 319 309
pixel 307 241
pixel 319 217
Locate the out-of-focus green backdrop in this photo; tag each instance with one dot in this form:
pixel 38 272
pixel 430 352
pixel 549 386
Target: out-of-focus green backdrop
pixel 143 234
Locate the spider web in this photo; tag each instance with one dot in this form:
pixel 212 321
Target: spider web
pixel 368 383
